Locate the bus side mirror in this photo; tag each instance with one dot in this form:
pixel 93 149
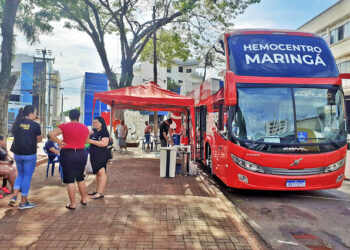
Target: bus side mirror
pixel 230 89
pixel 345 76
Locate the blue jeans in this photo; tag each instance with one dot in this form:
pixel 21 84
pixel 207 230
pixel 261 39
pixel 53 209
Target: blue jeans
pixel 25 166
pixel 148 138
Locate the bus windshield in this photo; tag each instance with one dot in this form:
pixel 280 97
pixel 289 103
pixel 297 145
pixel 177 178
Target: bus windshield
pixel 283 120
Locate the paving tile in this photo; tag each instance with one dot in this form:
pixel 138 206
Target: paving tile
pixel 140 211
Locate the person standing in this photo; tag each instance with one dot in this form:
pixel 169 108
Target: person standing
pixel 99 155
pixel 121 134
pixel 72 155
pixel 148 131
pixel 164 131
pixel 27 134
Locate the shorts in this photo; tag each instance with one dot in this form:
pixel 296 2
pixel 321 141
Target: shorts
pixel 121 142
pixel 73 163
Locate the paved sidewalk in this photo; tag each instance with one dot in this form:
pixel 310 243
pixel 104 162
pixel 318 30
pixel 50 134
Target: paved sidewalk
pixel 140 211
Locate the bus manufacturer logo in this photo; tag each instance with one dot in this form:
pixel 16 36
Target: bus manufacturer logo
pixel 295 149
pixel 296 162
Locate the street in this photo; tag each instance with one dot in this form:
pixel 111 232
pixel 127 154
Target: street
pixel 296 220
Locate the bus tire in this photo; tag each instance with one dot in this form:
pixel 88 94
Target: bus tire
pixel 209 159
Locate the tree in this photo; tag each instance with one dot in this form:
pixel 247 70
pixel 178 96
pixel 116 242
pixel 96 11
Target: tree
pixel 169 46
pixel 31 21
pixel 173 86
pixel 196 20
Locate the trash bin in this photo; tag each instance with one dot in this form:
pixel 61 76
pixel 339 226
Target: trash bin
pixel 167 161
pixel 176 139
pixel 184 162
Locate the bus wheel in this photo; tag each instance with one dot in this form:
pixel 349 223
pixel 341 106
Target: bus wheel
pixel 208 159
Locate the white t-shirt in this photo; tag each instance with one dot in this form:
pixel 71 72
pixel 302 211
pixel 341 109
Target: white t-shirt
pixel 121 129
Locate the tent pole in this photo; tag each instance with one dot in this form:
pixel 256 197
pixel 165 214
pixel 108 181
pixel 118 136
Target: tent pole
pixel 193 121
pixel 111 119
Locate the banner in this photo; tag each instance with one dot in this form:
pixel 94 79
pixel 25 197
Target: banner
pixel 281 56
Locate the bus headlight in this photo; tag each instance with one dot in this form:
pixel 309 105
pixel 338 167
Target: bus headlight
pixel 247 165
pixel 335 166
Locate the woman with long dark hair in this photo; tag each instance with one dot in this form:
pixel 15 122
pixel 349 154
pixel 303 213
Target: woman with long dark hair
pixel 99 155
pixel 27 134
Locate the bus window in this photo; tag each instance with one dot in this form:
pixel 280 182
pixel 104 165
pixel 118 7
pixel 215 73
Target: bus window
pixel 223 119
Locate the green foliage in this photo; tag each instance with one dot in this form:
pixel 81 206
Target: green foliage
pixel 66 113
pixel 200 23
pixel 33 18
pixel 172 85
pixel 169 46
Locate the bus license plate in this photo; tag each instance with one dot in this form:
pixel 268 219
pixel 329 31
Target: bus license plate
pixel 296 183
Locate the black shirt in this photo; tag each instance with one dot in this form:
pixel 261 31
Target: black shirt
pixel 3 154
pixel 25 135
pixel 97 152
pixel 163 128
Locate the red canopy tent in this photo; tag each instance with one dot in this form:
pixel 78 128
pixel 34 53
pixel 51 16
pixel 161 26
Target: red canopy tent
pixel 148 96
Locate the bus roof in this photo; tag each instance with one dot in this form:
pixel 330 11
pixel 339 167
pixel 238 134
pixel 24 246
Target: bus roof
pixel 279 53
pixel 269 31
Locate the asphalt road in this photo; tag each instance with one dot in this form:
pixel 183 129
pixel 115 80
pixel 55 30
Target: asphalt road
pixel 297 220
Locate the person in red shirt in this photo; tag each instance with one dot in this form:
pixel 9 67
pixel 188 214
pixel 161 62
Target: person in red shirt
pixel 72 155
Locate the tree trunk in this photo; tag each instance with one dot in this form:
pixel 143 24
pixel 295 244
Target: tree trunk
pixel 103 55
pixel 127 74
pixel 6 81
pixel 4 101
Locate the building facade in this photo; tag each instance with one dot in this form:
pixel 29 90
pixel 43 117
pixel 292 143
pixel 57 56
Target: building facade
pixel 33 80
pixel 182 73
pixel 333 25
pixel 92 83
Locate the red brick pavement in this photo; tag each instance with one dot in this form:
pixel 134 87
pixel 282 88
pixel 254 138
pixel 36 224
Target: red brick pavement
pixel 140 211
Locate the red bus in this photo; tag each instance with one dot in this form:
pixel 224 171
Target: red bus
pixel 271 113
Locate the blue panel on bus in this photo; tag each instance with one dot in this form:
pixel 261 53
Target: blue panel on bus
pixel 281 56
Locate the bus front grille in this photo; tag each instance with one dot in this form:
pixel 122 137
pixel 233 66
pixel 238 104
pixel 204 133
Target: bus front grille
pixel 294 172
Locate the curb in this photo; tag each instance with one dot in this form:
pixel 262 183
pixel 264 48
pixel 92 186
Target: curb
pixel 41 161
pixel 239 218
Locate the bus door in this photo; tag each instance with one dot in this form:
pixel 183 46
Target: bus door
pixel 222 141
pixel 201 113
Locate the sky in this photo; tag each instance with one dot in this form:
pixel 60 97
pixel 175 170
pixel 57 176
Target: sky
pixel 75 53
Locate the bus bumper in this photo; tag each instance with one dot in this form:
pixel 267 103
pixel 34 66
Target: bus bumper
pixel 244 179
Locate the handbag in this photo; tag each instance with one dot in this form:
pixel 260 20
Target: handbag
pixel 110 148
pixel 88 167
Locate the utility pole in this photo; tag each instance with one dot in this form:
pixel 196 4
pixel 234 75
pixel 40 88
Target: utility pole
pixel 62 118
pixel 155 68
pixel 49 98
pixel 42 93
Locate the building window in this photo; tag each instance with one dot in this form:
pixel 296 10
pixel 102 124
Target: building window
pixel 347 29
pixel 344 67
pixel 334 36
pixel 168 70
pixel 15 98
pixel 188 70
pixel 340 33
pixel 11 116
pixel 180 81
pixel 181 69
